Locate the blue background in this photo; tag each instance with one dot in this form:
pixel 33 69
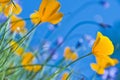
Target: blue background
pixel 76 11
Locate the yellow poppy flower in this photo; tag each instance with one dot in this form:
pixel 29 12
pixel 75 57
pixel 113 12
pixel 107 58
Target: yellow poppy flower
pixel 69 55
pixel 15 47
pixel 102 49
pixel 102 63
pixel 0 9
pixel 11 9
pixel 17 24
pixel 65 76
pixel 19 51
pixel 48 12
pixel 4 2
pixel 34 68
pixel 102 46
pixel 27 60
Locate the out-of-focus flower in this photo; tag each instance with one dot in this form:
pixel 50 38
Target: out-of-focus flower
pixel 51 27
pixel 15 48
pixel 46 45
pixel 102 63
pixel 17 1
pixel 69 54
pixel 79 43
pixel 9 8
pixel 55 56
pixel 105 3
pixel 0 9
pixel 89 39
pixel 4 1
pixel 27 62
pixel 59 40
pixel 102 49
pixel 17 24
pixel 103 25
pixel 110 73
pixel 65 76
pixel 48 12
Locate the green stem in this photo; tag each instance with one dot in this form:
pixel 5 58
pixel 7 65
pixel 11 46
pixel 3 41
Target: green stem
pixel 23 38
pixel 62 69
pixel 21 66
pixel 78 59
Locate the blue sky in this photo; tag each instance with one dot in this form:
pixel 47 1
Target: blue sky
pixel 90 10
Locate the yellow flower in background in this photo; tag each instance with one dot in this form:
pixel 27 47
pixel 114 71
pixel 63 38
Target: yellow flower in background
pixel 15 48
pixel 69 54
pixel 17 24
pixel 48 12
pixel 4 1
pixel 0 9
pixel 14 44
pixel 34 68
pixel 20 51
pixel 65 76
pixel 11 9
pixel 27 60
pixel 102 49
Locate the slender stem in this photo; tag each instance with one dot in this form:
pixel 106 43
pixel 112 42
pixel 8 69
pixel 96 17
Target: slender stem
pixel 77 26
pixel 77 11
pixel 28 41
pixel 79 59
pixel 82 7
pixel 3 24
pixel 62 69
pixel 21 66
pixel 13 3
pixel 22 39
pixel 69 32
pixel 21 20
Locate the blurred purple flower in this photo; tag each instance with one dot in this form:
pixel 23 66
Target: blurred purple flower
pixel 105 3
pixel 105 25
pixel 89 39
pixel 46 45
pixel 52 27
pixel 59 41
pixel 110 73
pixel 79 43
pixel 18 1
pixel 55 56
